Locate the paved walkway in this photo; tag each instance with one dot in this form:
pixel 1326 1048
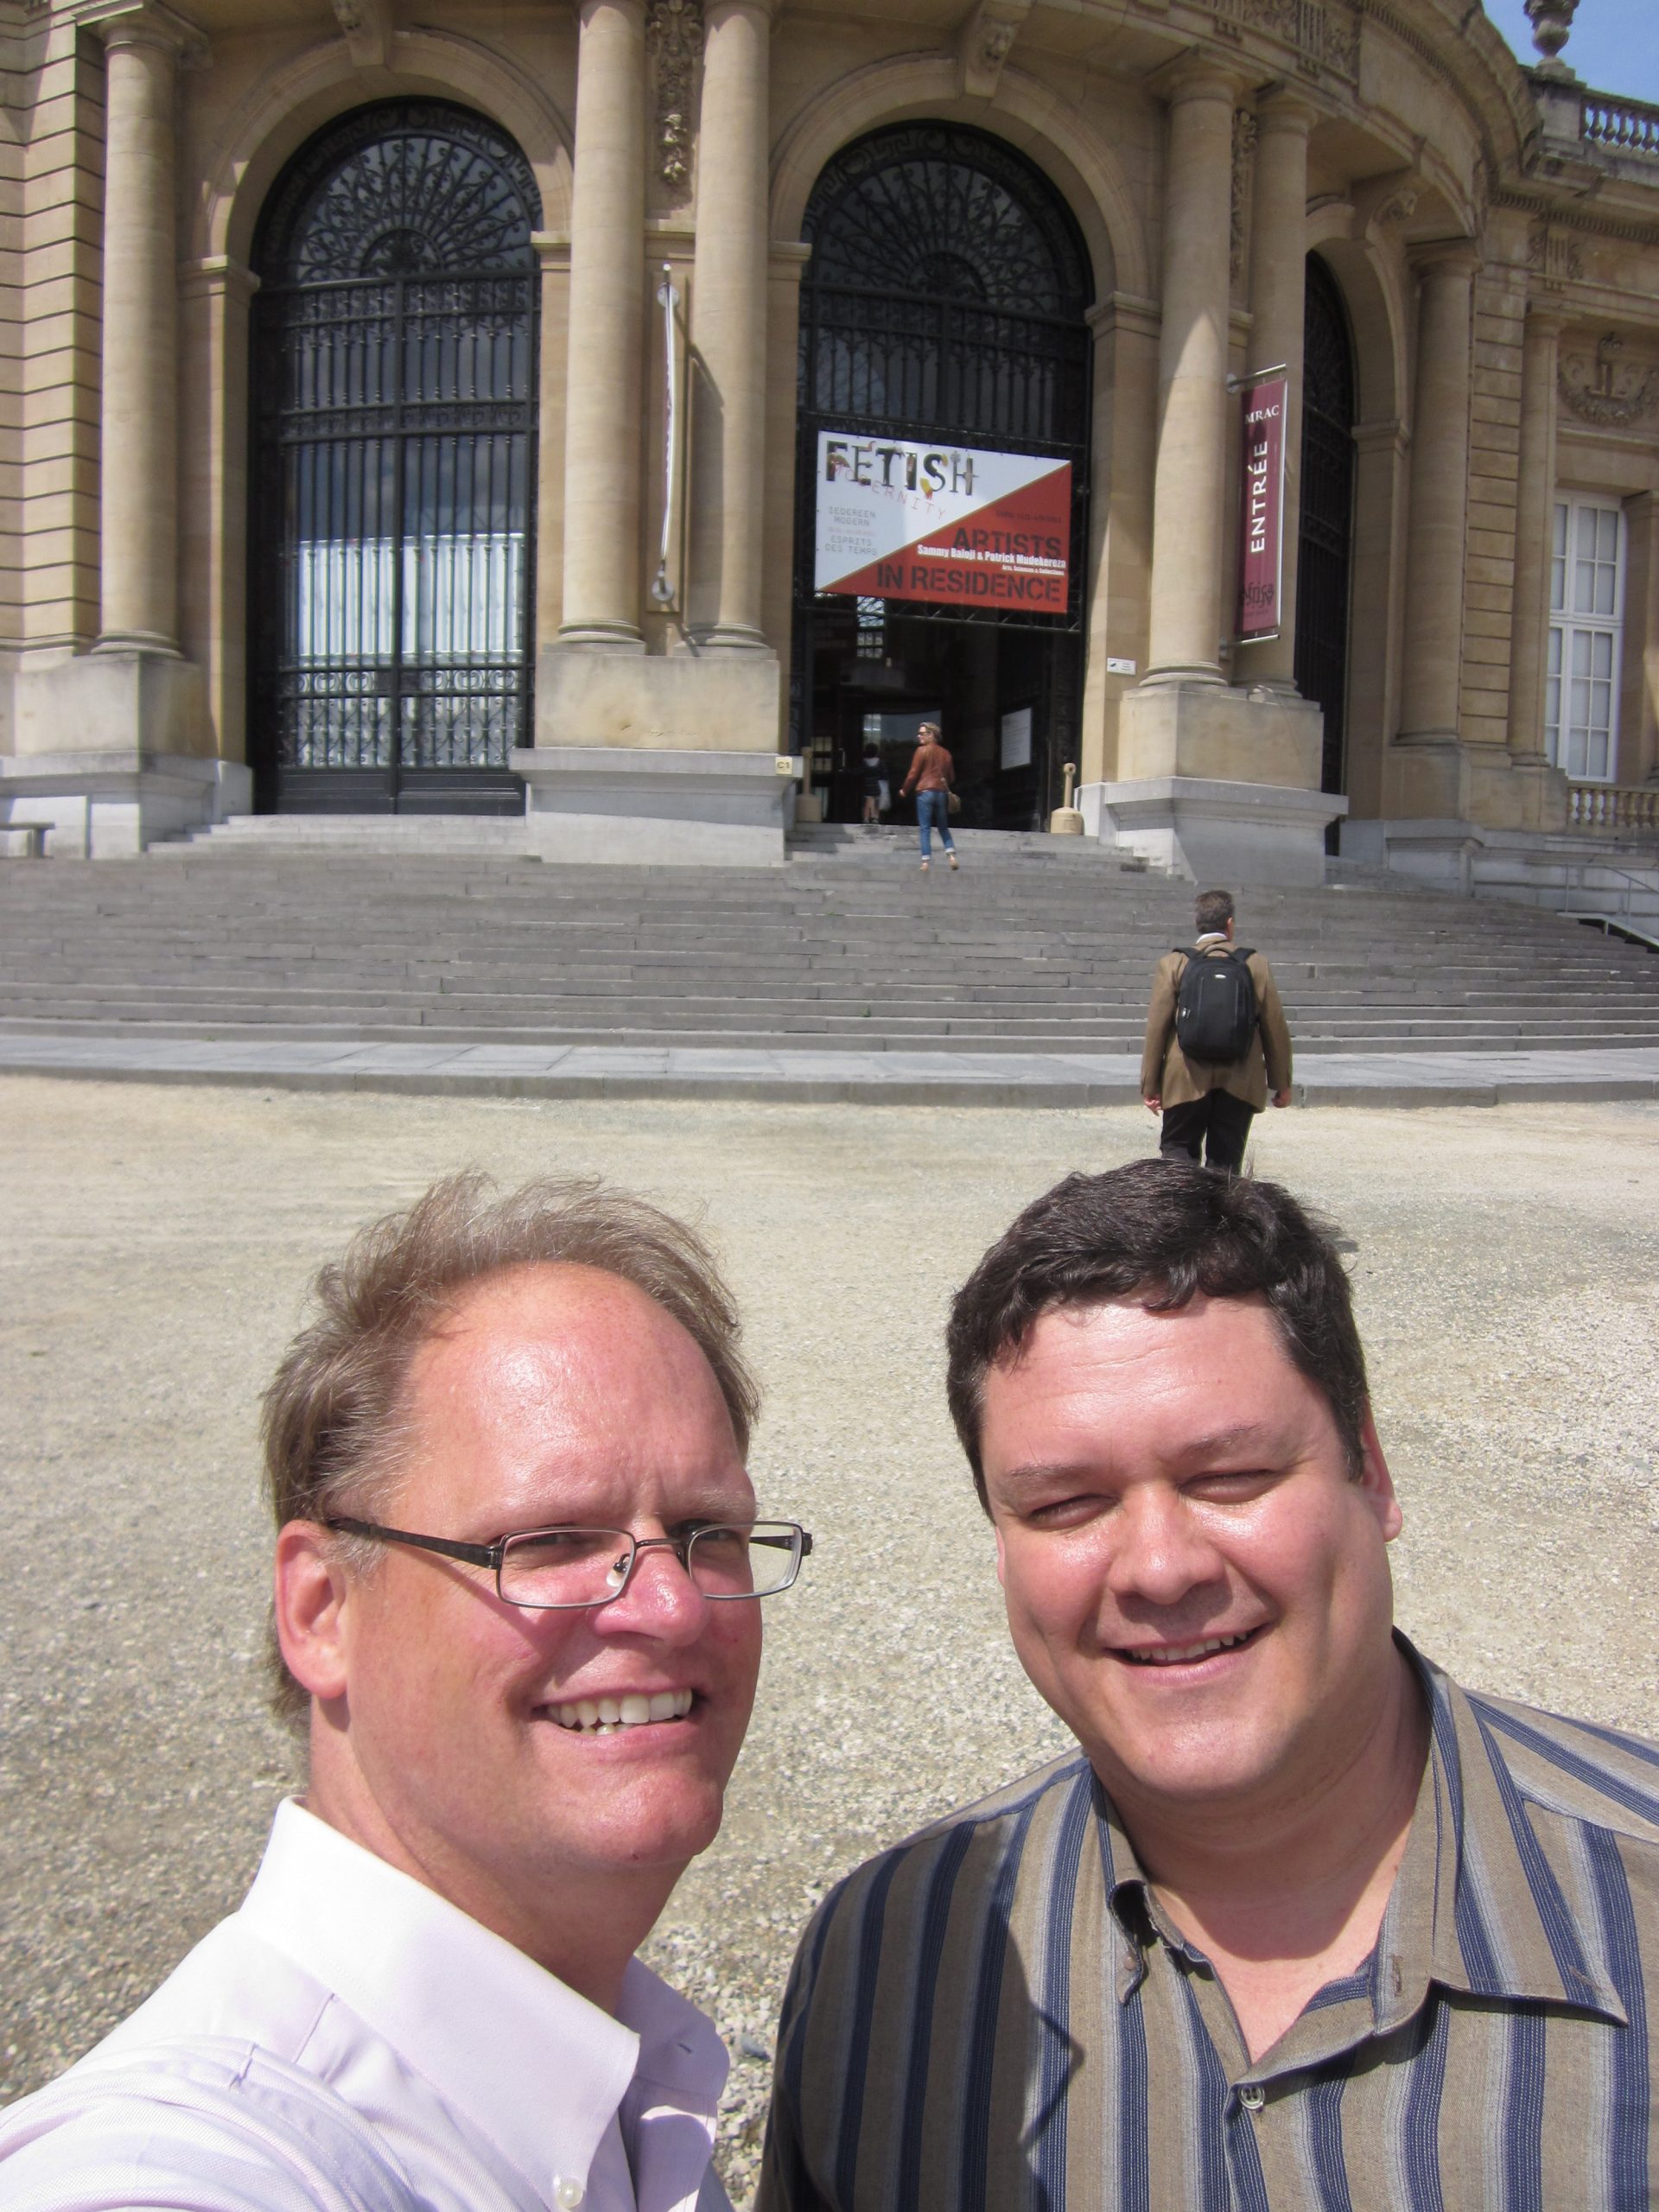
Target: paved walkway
pixel 894 1079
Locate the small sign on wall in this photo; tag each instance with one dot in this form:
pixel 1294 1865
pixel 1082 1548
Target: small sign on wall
pixel 1016 739
pixel 1261 511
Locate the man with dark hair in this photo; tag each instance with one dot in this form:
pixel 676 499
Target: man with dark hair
pixel 1303 1924
pixel 1217 1042
pixel 506 1462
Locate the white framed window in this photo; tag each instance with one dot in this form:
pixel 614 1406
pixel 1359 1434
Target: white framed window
pixel 1586 614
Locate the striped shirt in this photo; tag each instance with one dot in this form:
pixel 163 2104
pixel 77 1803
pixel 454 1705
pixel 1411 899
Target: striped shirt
pixel 999 2014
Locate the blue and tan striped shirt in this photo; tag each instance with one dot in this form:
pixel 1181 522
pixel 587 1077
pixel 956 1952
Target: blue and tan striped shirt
pixel 998 2014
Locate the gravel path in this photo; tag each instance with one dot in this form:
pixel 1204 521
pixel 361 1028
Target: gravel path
pixel 156 1243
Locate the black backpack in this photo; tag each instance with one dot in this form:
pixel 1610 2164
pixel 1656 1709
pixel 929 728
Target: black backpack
pixel 1215 1014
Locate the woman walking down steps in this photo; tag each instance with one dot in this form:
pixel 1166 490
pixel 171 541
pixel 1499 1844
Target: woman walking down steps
pixel 932 772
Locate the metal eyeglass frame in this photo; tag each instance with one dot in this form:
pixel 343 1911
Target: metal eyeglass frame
pixel 495 1553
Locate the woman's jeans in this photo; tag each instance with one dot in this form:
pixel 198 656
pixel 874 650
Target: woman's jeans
pixel 933 812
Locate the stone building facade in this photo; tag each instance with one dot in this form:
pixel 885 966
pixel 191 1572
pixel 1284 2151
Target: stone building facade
pixel 417 405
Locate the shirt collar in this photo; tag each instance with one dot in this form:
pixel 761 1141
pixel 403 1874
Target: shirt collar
pixel 486 2027
pixel 1475 1905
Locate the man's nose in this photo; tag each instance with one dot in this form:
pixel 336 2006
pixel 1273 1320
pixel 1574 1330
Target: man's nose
pixel 1160 1549
pixel 660 1598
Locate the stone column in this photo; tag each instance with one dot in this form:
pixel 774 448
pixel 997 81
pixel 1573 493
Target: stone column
pixel 140 468
pixel 1534 498
pixel 1440 493
pixel 1190 477
pixel 607 307
pixel 1278 290
pixel 729 331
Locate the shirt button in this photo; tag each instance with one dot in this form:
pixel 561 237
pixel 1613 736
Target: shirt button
pixel 567 2194
pixel 1252 2098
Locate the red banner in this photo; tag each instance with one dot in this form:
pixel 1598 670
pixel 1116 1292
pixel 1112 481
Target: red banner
pixel 1262 511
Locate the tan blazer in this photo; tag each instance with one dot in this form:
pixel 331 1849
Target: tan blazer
pixel 1167 1073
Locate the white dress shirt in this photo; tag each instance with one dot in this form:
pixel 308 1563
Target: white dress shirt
pixel 349 2041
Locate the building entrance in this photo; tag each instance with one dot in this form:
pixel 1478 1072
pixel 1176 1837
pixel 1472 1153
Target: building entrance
pixel 942 335
pixel 394 462
pixel 1325 542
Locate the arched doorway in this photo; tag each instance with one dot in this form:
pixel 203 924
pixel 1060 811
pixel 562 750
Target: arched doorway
pixel 944 307
pixel 394 370
pixel 1325 543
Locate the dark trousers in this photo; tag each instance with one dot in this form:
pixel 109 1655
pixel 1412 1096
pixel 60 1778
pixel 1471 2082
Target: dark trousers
pixel 1219 1125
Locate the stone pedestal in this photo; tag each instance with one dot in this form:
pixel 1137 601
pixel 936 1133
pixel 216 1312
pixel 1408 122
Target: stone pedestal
pixel 1214 832
pixel 111 805
pixel 1217 785
pixel 113 752
pixel 658 762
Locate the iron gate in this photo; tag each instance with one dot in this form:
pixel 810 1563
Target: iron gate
pixel 944 298
pixel 395 344
pixel 1325 534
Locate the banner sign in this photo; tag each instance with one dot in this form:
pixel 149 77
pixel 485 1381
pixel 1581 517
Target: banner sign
pixel 1261 501
pixel 951 525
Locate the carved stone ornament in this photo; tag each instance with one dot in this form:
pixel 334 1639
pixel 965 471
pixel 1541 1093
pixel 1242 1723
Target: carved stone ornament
pixel 1598 391
pixel 673 31
pixel 1244 154
pixel 367 27
pixel 1326 37
pixel 1551 253
pixel 985 42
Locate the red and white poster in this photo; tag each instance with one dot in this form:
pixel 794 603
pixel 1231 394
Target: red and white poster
pixel 953 526
pixel 1261 517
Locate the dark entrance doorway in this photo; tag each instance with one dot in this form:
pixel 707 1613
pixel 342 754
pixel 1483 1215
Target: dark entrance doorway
pixel 1325 540
pixel 394 369
pixel 944 300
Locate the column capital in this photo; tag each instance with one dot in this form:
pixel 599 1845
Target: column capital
pixel 1196 75
pixel 1282 111
pixel 1546 318
pixel 1448 258
pixel 144 22
pixel 717 11
pixel 586 9
pixel 217 276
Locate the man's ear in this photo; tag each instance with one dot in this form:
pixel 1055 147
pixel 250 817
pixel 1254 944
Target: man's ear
pixel 310 1595
pixel 1376 1484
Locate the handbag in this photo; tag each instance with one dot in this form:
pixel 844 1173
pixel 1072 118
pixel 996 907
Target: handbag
pixel 953 804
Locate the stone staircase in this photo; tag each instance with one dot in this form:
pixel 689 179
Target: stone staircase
pixel 1039 944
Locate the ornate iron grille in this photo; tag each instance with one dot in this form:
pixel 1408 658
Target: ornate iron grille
pixel 1325 532
pixel 394 386
pixel 944 298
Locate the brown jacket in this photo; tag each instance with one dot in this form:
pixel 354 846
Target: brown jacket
pixel 932 770
pixel 1167 1073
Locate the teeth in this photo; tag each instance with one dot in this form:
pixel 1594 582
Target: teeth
pixel 607 1716
pixel 1179 1655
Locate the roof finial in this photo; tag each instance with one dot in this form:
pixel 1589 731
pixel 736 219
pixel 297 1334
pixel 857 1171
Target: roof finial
pixel 1551 21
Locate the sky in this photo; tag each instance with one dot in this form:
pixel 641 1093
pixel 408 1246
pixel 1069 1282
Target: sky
pixel 1614 45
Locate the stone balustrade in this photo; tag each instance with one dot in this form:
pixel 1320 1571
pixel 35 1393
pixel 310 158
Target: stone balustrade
pixel 1613 806
pixel 1627 126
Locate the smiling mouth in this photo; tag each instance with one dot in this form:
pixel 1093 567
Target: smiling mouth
pixel 1186 1654
pixel 608 1716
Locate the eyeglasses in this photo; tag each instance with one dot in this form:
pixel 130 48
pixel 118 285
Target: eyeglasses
pixel 564 1570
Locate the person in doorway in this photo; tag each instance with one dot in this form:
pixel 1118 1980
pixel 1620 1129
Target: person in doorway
pixel 521 1706
pixel 875 785
pixel 932 774
pixel 1217 1045
pixel 1297 1921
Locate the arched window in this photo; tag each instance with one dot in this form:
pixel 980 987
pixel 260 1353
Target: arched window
pixel 394 387
pixel 1325 543
pixel 944 300
pixel 946 291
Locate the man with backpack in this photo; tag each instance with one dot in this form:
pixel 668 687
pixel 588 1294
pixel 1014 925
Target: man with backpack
pixel 1217 1042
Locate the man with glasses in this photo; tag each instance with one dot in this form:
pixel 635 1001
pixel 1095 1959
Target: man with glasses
pixel 1300 1923
pixel 517 1562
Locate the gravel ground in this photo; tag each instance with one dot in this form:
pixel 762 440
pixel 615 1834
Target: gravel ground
pixel 157 1243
